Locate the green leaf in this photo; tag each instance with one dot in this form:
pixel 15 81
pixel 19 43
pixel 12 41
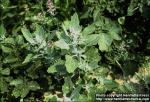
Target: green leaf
pixel 75 23
pixel 16 82
pixel 28 36
pixel 93 57
pixel 39 34
pixel 19 39
pixel 52 69
pixel 2 32
pixel 121 20
pixel 104 42
pixel 3 85
pixel 75 93
pixel 89 29
pixel 57 67
pixel 68 85
pixel 5 71
pixel 33 85
pixel 9 41
pixel 28 58
pixel 10 59
pixel 62 44
pixel 114 31
pixel 91 39
pixel 6 49
pixel 71 64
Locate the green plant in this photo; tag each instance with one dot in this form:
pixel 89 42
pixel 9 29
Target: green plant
pixel 52 50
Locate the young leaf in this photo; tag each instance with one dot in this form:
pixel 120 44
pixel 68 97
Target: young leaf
pixel 71 64
pixel 62 44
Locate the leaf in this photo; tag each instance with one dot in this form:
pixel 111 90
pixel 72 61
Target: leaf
pixel 121 20
pixel 68 86
pixel 2 32
pixel 75 93
pixel 39 34
pixel 33 85
pixel 114 31
pixel 3 85
pixel 75 23
pixel 28 36
pixel 71 64
pixel 28 58
pixel 6 49
pixel 5 71
pixel 91 39
pixel 93 57
pixel 62 44
pixel 52 69
pixel 104 42
pixel 16 82
pixel 88 30
pixel 10 59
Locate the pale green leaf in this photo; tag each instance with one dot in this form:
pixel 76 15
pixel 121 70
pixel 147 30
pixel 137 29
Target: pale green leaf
pixel 104 42
pixel 88 30
pixel 71 64
pixel 91 39
pixel 62 44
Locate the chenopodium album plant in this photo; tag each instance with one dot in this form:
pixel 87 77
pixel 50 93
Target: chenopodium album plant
pixel 78 46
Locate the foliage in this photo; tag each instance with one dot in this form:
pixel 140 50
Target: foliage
pixel 69 50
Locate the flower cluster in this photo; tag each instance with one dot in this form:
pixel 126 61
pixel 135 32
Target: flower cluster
pixel 51 7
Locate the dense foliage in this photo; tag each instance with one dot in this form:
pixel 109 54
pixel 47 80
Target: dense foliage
pixel 69 50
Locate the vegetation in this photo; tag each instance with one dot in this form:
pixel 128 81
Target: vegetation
pixel 69 50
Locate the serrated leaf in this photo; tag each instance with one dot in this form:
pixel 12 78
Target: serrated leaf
pixel 28 36
pixel 62 44
pixel 71 64
pixel 104 42
pixel 28 58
